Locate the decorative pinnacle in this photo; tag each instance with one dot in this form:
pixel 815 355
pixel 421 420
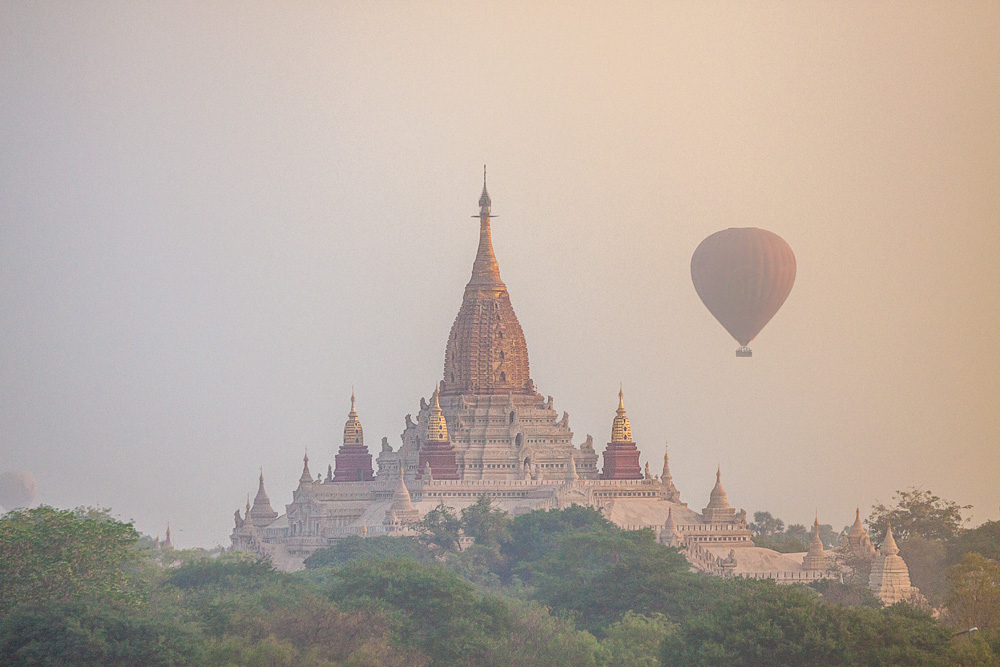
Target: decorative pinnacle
pixel 484 199
pixel 485 271
pixel 262 474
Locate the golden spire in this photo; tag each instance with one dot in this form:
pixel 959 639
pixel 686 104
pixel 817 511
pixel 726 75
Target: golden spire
pixel 485 270
pixel 621 430
pixel 437 427
pixel 353 433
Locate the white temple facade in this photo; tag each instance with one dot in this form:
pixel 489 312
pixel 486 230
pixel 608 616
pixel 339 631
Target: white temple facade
pixel 485 430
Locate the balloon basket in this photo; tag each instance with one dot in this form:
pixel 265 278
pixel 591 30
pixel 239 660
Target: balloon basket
pixel 744 352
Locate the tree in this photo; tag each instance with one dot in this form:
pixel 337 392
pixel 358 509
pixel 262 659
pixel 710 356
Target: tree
pixel 761 624
pixel 599 576
pixel 47 554
pixel 79 633
pixel 355 547
pixel 984 540
pixel 436 611
pixel 765 525
pixel 635 640
pixel 440 528
pixel 917 512
pixel 925 559
pixel 488 525
pixel 535 534
pixel 974 593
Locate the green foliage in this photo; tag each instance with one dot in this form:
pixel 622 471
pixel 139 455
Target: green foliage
pixel 974 593
pixel 770 533
pixel 252 614
pixel 227 571
pixel 52 555
pixel 441 614
pixel 440 528
pixel 488 525
pixel 926 560
pixel 984 540
pixel 978 649
pixel 846 594
pixel 762 624
pixel 77 633
pixel 360 605
pixel 917 512
pixel 635 640
pixel 535 534
pixel 600 576
pixel 355 547
pixel 765 525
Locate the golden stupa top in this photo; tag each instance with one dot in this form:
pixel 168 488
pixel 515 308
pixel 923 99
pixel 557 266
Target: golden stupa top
pixel 816 544
pixel 485 270
pixel 621 430
pixel 437 427
pixel 353 434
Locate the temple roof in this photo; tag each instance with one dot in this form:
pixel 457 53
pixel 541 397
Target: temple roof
pixel 857 529
pixel 621 430
pixel 262 511
pixel 437 427
pixel 353 433
pixel 306 476
pixel 889 547
pixel 718 499
pixel 486 352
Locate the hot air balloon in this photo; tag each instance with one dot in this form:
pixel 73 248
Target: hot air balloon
pixel 17 489
pixel 743 276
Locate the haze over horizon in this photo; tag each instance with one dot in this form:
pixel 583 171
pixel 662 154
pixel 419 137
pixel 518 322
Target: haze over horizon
pixel 215 219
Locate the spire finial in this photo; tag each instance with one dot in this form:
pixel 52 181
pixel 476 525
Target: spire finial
pixel 484 199
pixel 718 473
pixel 621 430
pixel 262 474
pixel 352 398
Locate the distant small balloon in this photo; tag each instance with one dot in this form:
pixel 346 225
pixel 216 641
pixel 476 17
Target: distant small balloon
pixel 17 489
pixel 743 276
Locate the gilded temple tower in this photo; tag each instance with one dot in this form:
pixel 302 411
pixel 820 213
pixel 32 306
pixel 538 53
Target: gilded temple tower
pixel 486 351
pixel 621 456
pixel 353 463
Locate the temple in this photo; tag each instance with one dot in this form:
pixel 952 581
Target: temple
pixel 890 578
pixel 486 430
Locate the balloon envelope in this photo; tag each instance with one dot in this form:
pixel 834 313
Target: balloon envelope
pixel 743 276
pixel 17 489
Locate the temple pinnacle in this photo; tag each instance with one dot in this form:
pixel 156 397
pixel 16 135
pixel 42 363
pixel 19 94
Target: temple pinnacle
pixel 484 199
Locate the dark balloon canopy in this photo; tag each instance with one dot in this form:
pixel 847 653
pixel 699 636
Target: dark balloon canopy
pixel 743 276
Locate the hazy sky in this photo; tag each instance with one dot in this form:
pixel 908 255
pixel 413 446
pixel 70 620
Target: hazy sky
pixel 215 218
